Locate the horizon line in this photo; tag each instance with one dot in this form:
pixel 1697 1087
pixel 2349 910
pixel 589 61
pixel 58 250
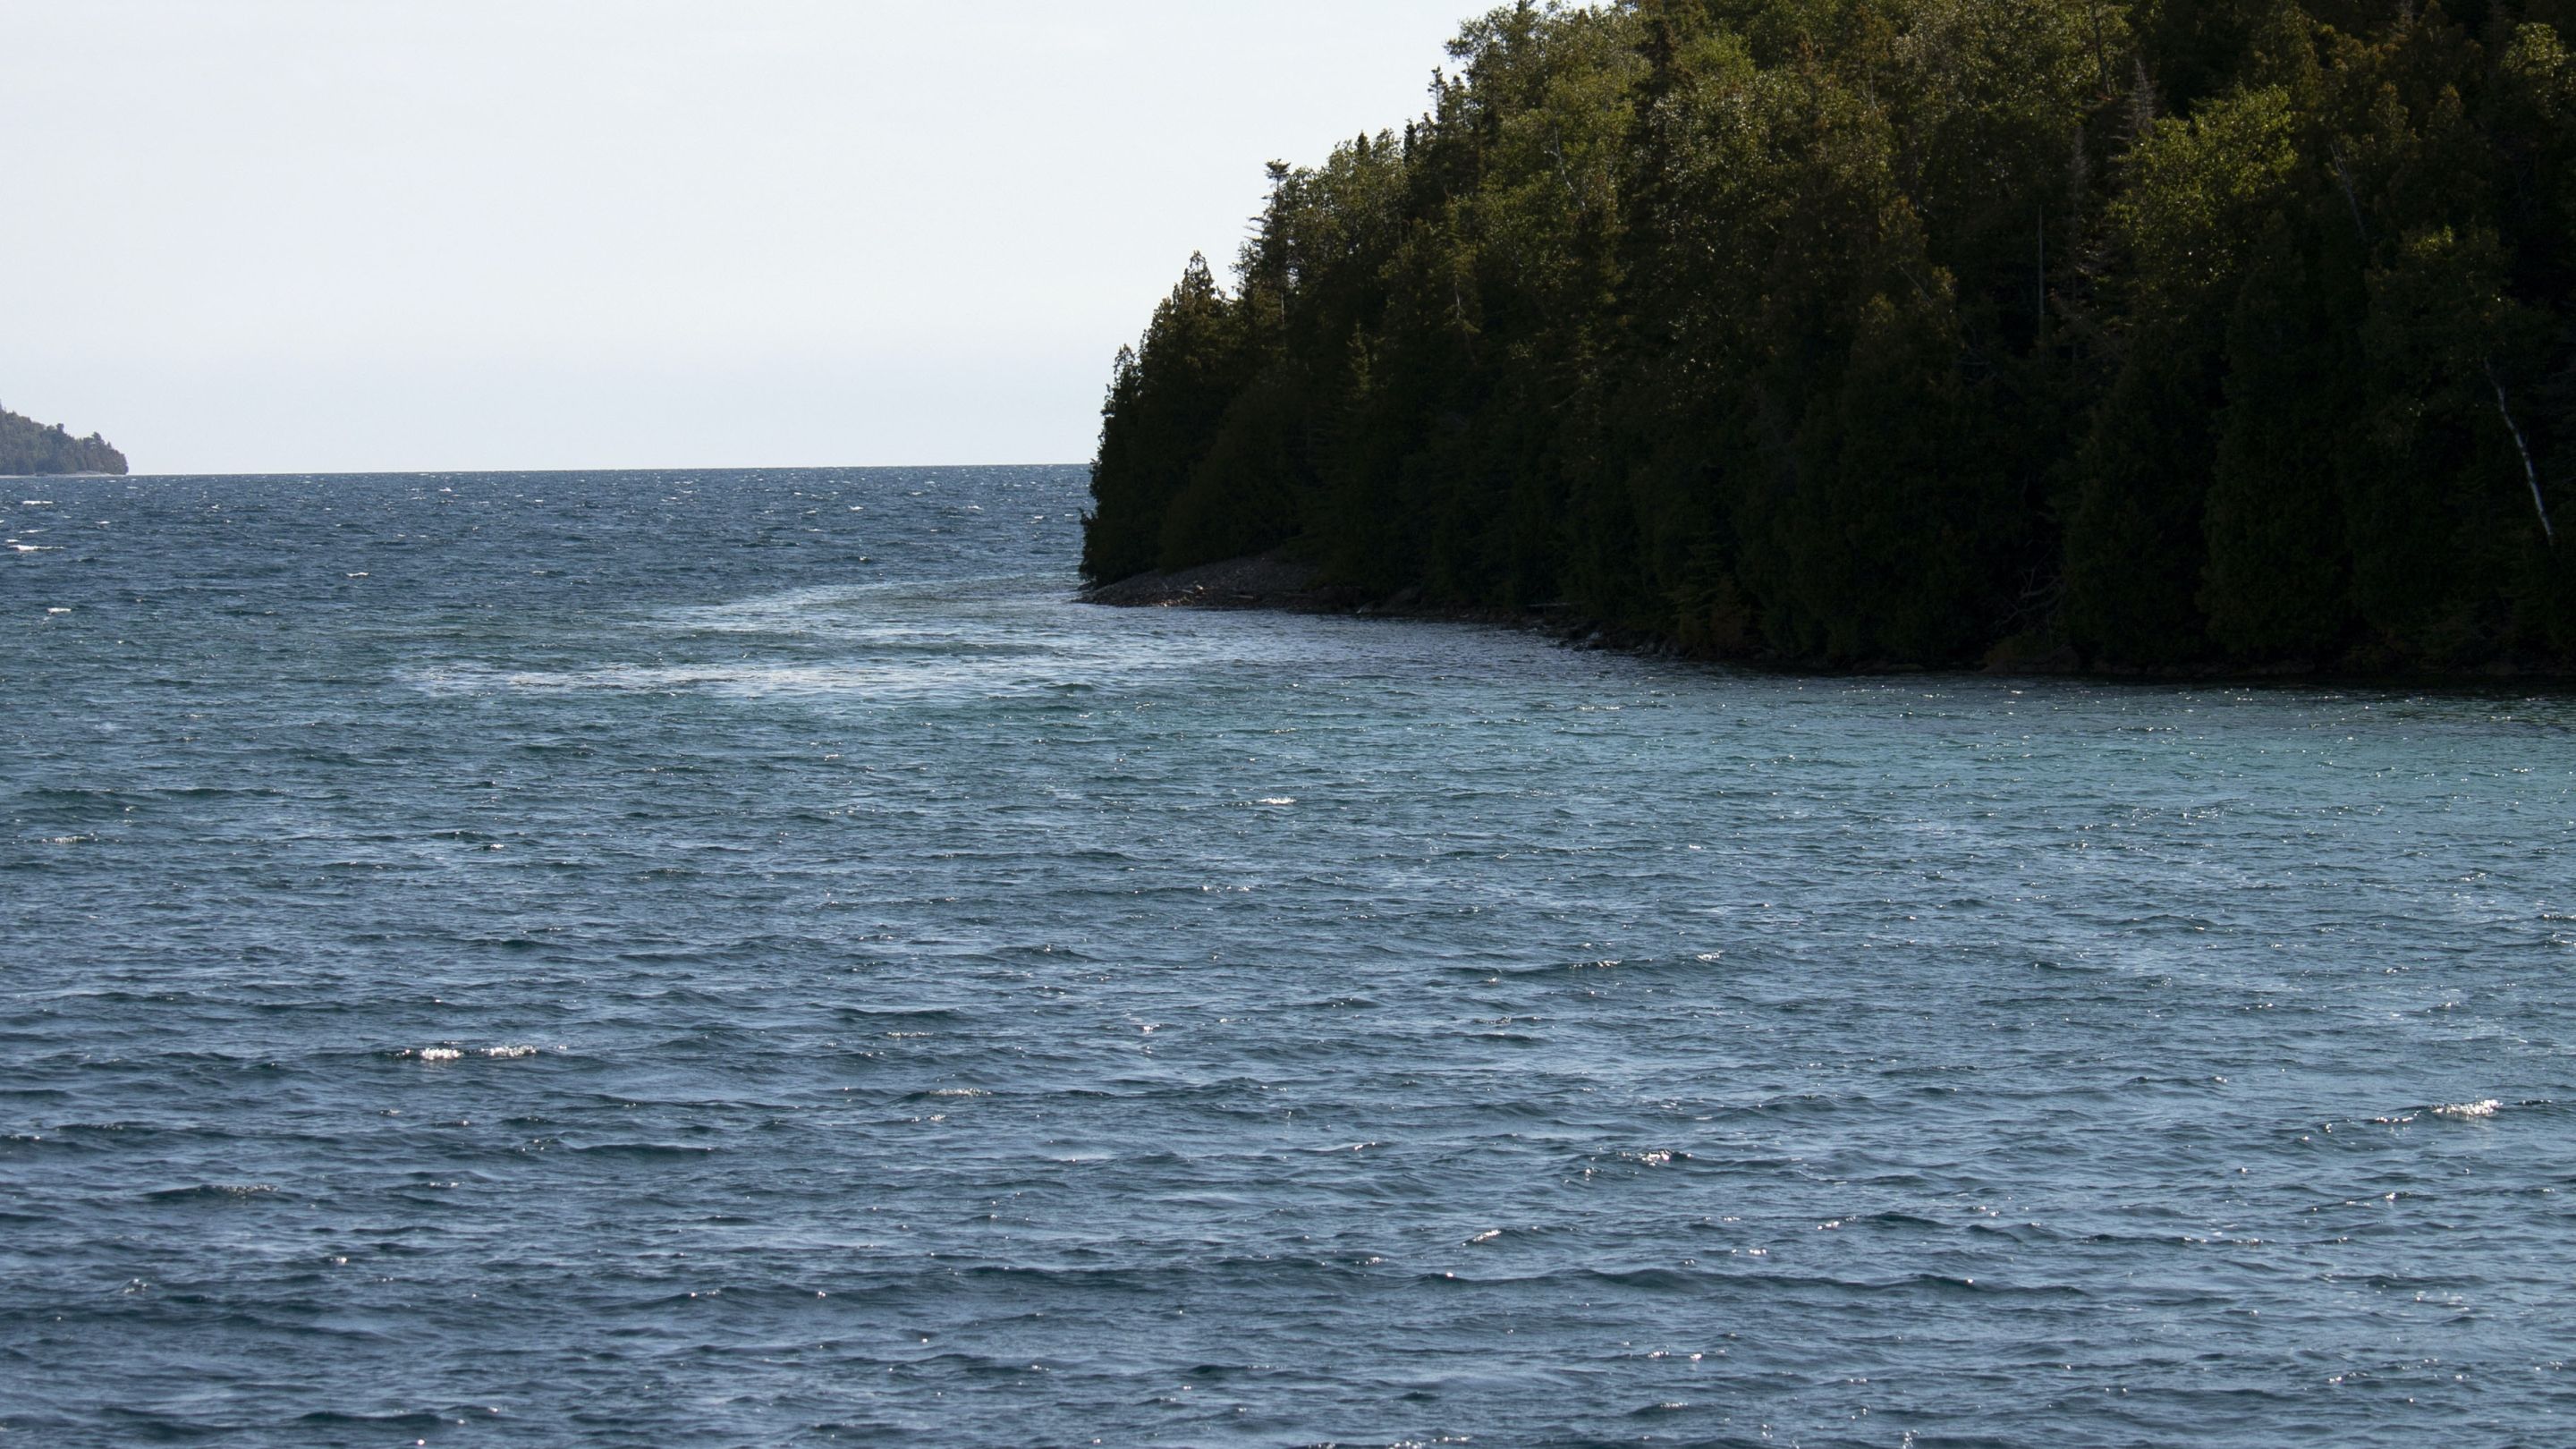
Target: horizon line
pixel 515 472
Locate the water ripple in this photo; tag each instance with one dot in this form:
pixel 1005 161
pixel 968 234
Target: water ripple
pixel 628 957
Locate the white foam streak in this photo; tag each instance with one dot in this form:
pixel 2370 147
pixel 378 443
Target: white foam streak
pixel 451 1053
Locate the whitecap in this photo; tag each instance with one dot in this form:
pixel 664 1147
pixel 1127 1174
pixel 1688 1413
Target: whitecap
pixel 1279 800
pixel 2468 1111
pixel 453 1053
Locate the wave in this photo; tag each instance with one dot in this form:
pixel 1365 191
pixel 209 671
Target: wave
pixel 2484 1109
pixel 452 1052
pixel 213 1191
pixel 2467 1111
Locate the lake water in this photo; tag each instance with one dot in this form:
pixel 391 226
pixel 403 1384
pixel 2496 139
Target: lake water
pixel 741 958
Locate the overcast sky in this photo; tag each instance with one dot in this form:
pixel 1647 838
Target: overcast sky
pixel 316 235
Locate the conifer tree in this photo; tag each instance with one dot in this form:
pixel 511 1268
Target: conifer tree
pixel 2181 333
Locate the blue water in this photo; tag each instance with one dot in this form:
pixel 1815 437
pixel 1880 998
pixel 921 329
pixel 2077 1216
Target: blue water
pixel 742 959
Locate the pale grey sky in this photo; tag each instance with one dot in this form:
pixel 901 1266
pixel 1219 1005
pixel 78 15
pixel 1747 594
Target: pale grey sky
pixel 310 235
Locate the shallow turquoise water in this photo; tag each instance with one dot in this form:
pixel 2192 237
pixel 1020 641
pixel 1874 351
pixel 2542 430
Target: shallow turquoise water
pixel 741 958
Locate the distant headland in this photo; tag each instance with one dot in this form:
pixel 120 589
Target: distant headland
pixel 31 447
pixel 2188 336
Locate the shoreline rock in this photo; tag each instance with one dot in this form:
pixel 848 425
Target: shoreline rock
pixel 1275 582
pixel 1261 581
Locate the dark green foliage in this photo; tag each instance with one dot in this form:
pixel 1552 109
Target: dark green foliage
pixel 2277 581
pixel 28 446
pixel 1166 401
pixel 2192 333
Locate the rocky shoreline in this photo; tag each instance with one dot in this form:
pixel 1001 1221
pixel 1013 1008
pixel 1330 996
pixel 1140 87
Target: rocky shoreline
pixel 1263 581
pixel 1273 581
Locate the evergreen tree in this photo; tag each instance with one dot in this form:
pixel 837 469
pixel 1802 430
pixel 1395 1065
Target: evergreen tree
pixel 2191 333
pixel 31 447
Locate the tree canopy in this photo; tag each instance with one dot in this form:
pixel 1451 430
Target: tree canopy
pixel 29 447
pixel 2142 333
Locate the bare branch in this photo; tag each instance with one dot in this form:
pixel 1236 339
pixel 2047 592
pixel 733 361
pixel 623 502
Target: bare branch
pixel 2530 474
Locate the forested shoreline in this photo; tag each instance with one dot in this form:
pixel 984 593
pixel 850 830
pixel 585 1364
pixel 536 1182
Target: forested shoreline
pixel 31 447
pixel 2179 334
